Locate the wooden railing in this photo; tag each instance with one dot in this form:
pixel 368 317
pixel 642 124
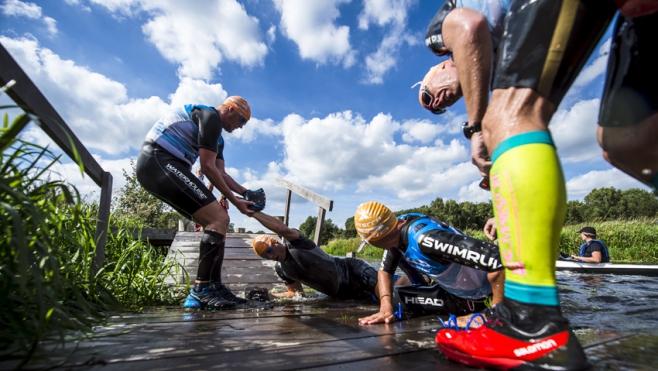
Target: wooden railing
pixel 31 100
pixel 324 203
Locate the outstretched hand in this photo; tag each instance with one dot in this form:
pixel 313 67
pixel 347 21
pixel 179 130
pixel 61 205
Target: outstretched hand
pixel 243 206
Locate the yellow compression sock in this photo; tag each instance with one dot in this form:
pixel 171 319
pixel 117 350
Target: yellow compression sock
pixel 529 200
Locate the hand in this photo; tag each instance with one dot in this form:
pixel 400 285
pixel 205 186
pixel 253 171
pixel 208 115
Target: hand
pixel 257 197
pixel 479 154
pixel 379 317
pixel 490 229
pixel 243 206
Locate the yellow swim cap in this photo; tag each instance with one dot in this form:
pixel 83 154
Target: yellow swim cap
pixel 261 243
pixel 240 105
pixel 373 221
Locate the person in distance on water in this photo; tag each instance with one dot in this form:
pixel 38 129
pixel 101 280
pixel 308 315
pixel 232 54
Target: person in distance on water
pixel 593 250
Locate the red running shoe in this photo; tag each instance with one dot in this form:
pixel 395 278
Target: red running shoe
pixel 518 336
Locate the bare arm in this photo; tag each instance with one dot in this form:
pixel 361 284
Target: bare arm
pixel 214 171
pixel 595 258
pixel 230 182
pixel 276 226
pixel 384 292
pixel 466 34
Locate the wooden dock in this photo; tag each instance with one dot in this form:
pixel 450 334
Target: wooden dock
pixel 317 333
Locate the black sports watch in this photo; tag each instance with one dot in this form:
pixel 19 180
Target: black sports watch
pixel 469 130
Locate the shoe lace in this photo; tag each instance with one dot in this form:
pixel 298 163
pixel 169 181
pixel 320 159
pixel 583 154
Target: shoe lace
pixel 451 323
pixel 226 293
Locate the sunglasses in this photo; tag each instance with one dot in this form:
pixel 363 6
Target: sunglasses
pixel 243 120
pixel 427 99
pixel 267 252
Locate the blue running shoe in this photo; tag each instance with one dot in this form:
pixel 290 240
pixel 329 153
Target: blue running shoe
pixel 207 299
pixel 191 302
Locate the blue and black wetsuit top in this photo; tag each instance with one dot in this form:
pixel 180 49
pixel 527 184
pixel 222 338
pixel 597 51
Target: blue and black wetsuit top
pixel 458 263
pixel 185 129
pixel 589 247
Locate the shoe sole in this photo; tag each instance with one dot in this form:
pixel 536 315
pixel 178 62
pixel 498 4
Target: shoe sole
pixel 500 363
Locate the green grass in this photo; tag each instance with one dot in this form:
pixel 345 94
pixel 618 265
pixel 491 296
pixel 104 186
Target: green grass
pixel 48 289
pixel 627 241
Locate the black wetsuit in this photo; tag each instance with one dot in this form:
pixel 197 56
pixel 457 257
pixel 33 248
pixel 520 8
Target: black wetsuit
pixel 342 278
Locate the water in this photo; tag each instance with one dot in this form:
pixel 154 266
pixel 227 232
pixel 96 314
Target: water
pixel 610 302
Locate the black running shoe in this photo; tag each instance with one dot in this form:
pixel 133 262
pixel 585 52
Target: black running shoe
pixel 226 294
pixel 517 336
pixel 207 299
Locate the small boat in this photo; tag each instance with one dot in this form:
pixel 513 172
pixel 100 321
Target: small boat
pixel 650 270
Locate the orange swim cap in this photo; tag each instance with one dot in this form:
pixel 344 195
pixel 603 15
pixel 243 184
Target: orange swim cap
pixel 374 221
pixel 240 105
pixel 261 243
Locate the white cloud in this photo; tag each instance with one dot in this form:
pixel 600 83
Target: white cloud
pixel 29 10
pixel 391 14
pixel 310 24
pixel 574 132
pixel 70 172
pixel 343 150
pixel 198 37
pixel 579 186
pixel 596 68
pixel 271 34
pixel 473 193
pixel 20 9
pixel 197 91
pixel 95 107
pixel 423 131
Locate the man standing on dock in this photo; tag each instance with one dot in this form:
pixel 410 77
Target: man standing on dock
pixel 542 46
pixel 163 168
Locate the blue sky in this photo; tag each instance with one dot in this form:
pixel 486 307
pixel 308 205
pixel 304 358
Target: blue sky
pixel 328 81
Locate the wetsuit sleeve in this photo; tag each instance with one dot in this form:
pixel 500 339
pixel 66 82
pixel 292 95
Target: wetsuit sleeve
pixel 390 261
pixel 210 128
pixel 439 244
pixel 284 278
pixel 303 243
pixel 220 148
pixel 434 34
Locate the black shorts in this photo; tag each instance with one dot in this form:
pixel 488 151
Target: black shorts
pixel 169 178
pixel 359 282
pixel 547 42
pixel 631 88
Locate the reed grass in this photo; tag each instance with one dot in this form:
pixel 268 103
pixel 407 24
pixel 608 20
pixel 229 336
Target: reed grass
pixel 48 287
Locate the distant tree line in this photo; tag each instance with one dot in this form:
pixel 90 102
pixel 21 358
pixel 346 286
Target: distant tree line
pixel 600 205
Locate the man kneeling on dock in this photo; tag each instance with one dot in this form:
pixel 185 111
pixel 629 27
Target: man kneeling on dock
pixel 463 266
pixel 301 261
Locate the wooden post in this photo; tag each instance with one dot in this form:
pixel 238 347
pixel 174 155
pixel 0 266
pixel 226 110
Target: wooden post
pixel 324 203
pixel 286 216
pixel 319 225
pixel 103 219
